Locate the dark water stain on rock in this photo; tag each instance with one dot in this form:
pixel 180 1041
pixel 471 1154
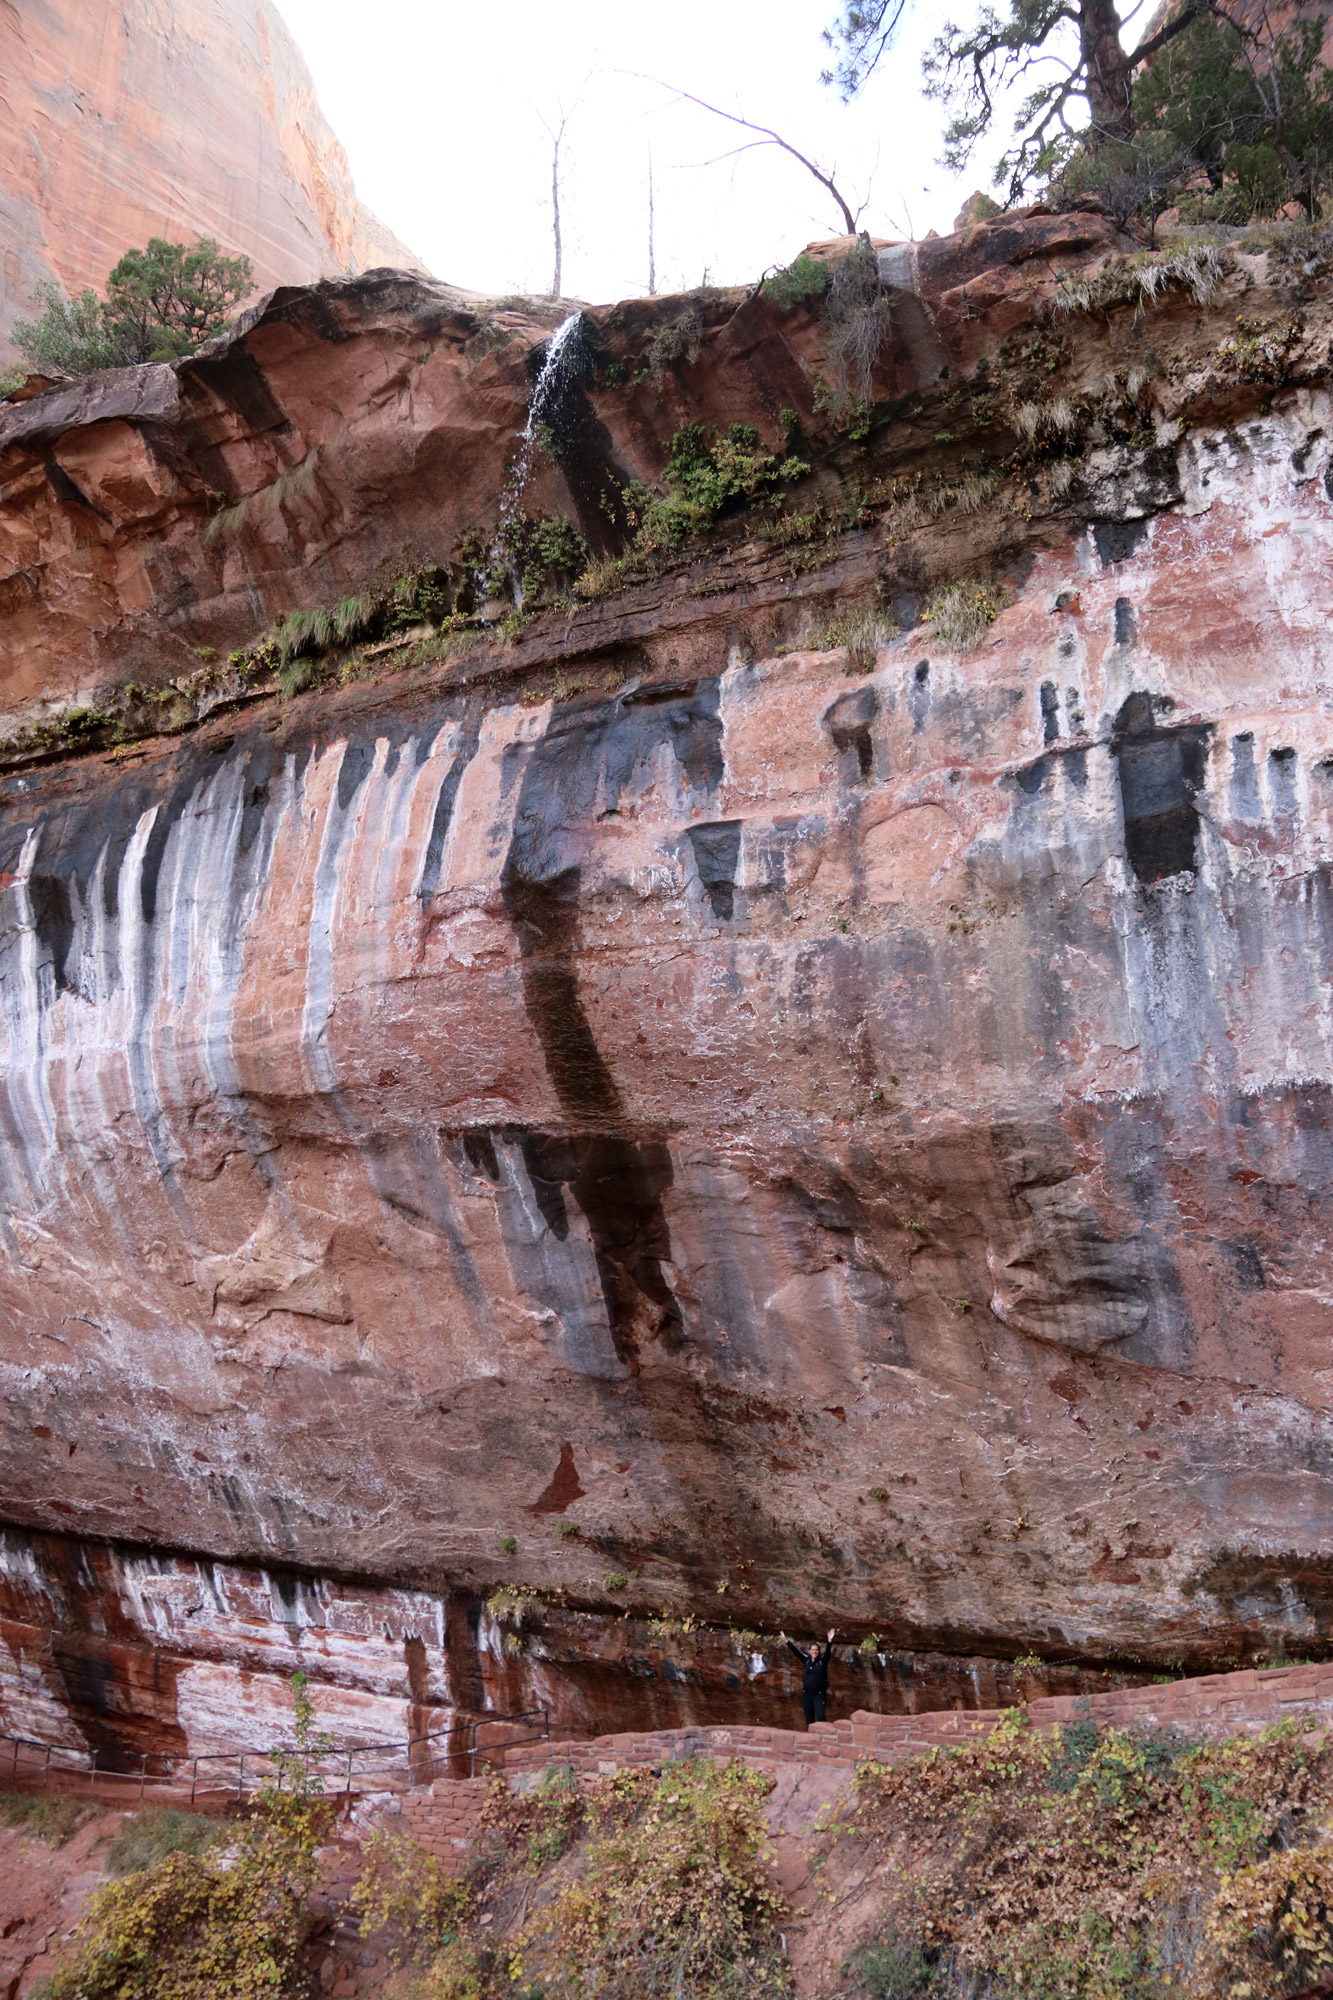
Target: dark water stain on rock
pixel 616 1175
pixel 1287 1588
pixel 563 1488
pixel 1161 771
pixel 716 848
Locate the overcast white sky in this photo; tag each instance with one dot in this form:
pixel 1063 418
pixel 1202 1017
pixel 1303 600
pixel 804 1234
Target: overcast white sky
pixel 439 105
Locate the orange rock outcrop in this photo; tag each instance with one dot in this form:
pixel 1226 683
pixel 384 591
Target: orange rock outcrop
pixel 125 119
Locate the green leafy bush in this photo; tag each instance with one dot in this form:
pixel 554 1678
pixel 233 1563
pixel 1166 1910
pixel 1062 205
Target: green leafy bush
pixel 162 303
pixel 804 280
pixel 702 479
pixel 543 552
pixel 70 336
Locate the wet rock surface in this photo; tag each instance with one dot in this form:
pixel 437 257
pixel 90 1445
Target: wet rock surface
pixel 851 1146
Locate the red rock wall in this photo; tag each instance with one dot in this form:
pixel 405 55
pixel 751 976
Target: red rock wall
pixel 127 1652
pixel 437 1100
pixel 855 1146
pixel 125 119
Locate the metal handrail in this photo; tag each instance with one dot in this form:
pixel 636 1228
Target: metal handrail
pixel 346 1763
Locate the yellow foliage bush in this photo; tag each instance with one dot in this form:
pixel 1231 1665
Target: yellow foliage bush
pixel 637 1888
pixel 1102 1865
pixel 225 1924
pixel 1270 1929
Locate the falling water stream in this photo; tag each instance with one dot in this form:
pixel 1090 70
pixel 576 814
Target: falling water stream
pixel 561 350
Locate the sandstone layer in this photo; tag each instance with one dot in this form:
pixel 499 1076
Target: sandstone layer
pixel 847 1137
pixel 125 119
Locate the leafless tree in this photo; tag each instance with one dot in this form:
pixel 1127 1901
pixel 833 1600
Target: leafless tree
pixel 767 137
pixel 652 261
pixel 556 134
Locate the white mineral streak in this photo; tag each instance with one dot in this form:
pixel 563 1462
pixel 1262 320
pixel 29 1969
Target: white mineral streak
pixel 244 1240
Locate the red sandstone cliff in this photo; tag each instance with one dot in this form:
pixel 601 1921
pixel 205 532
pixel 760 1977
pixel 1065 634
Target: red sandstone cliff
pixel 850 1135
pixel 124 119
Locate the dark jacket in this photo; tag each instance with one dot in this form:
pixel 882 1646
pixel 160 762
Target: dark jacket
pixel 814 1673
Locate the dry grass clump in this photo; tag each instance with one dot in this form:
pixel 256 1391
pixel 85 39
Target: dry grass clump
pixel 635 1888
pixel 1034 420
pixel 1100 1865
pixel 968 495
pixel 961 614
pixel 862 631
pixel 291 484
pixel 42 1814
pixel 1145 281
pixel 1060 477
pixel 150 1836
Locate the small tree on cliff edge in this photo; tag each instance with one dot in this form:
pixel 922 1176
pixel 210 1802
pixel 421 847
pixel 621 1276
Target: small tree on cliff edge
pixel 161 303
pixel 1079 40
pixel 167 300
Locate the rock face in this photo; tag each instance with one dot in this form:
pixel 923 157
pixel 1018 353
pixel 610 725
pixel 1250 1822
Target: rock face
pixel 125 119
pixel 847 1137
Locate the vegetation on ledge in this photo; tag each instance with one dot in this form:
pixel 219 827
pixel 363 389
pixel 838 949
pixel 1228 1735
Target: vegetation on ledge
pixel 636 1887
pixel 1096 1865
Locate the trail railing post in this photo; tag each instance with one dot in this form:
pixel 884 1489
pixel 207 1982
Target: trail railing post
pixel 240 1779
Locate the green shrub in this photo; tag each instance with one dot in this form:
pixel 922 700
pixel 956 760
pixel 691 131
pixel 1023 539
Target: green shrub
pixel 804 280
pixel 616 1579
pixel 702 479
pixel 543 552
pixel 162 303
pixel 70 336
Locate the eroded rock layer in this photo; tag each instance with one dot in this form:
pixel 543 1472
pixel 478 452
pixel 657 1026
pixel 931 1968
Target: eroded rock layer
pixel 133 1653
pixel 844 1145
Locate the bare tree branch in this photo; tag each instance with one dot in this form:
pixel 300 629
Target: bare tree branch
pixel 769 138
pixel 556 134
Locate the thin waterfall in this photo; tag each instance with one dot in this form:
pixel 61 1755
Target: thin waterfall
pixel 561 352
